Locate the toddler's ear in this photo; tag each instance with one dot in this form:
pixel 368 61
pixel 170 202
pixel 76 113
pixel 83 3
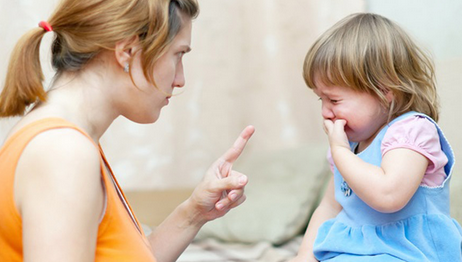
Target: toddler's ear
pixel 389 95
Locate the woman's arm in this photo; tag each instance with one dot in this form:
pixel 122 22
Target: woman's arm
pixel 59 196
pixel 221 190
pixel 327 209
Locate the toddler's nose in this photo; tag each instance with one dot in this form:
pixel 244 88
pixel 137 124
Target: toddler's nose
pixel 327 113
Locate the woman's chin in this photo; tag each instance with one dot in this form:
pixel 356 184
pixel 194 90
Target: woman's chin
pixel 146 119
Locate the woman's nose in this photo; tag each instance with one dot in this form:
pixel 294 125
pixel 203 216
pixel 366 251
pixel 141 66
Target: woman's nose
pixel 179 78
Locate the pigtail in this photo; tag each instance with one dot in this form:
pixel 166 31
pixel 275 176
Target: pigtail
pixel 83 29
pixel 24 79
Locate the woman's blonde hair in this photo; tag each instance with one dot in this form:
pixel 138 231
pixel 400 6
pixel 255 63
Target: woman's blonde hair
pixel 369 53
pixel 82 30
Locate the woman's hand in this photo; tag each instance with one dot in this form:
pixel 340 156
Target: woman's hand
pixel 222 188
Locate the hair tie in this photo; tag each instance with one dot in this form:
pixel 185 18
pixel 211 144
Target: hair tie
pixel 45 25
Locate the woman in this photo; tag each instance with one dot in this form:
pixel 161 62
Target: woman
pixel 58 198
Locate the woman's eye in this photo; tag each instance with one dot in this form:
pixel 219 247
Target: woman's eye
pixel 333 101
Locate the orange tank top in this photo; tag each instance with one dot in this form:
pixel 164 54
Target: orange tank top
pixel 120 237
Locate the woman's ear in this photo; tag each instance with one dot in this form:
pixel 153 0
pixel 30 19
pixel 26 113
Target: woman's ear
pixel 125 51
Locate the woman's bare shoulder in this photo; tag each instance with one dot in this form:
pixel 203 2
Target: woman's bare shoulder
pixel 59 193
pixel 62 160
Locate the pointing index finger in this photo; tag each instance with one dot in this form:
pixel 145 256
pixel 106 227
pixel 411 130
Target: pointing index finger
pixel 235 151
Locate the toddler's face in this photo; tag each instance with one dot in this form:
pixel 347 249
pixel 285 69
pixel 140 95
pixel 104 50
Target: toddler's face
pixel 363 113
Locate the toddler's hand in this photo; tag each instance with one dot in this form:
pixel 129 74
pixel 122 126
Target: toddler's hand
pixel 336 133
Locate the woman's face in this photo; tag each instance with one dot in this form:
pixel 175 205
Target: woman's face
pixel 147 100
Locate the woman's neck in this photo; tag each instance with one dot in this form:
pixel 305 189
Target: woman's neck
pixel 82 99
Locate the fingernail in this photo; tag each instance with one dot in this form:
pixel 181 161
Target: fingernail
pixel 242 180
pixel 219 206
pixel 232 196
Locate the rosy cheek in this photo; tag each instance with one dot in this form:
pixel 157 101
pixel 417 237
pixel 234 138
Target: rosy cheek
pixel 347 128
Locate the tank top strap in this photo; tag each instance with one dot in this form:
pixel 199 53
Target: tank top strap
pixel 17 142
pixel 31 130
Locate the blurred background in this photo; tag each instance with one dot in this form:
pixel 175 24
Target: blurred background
pixel 246 68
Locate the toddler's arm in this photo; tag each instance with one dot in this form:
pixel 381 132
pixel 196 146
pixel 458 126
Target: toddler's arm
pixel 327 209
pixel 387 188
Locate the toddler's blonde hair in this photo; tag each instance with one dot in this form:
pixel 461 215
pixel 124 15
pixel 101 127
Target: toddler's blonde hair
pixel 369 53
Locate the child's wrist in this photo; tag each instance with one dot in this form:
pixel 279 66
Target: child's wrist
pixel 338 150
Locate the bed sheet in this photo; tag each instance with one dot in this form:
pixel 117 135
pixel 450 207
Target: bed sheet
pixel 212 250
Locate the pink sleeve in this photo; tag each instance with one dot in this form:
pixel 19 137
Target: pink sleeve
pixel 418 134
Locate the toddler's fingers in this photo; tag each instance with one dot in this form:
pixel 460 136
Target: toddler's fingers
pixel 340 123
pixel 327 126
